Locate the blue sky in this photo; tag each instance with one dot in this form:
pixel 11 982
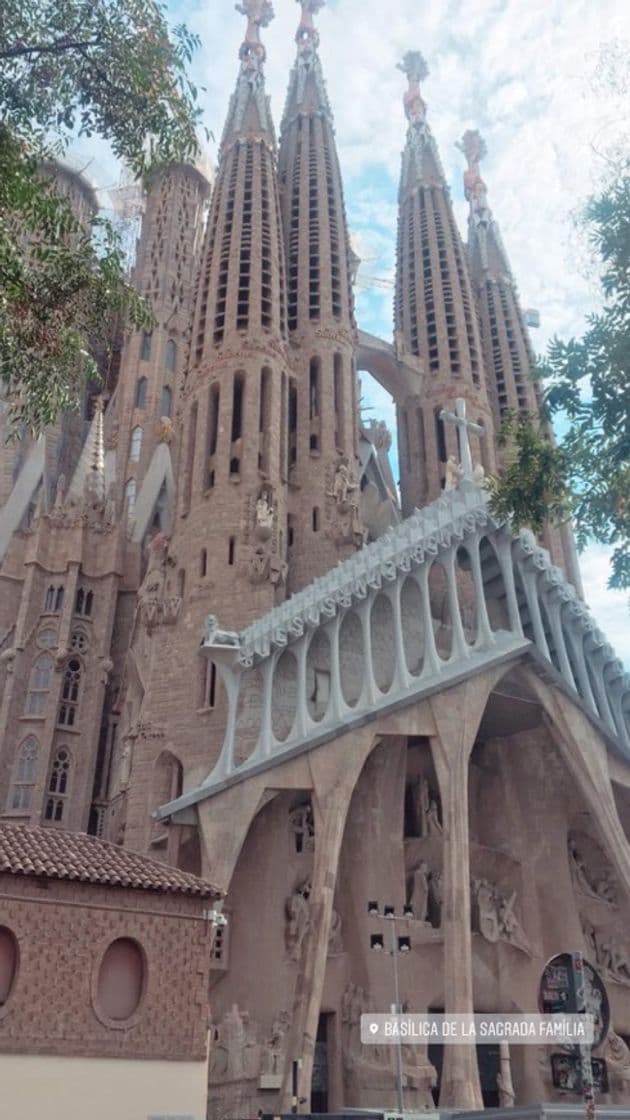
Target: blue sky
pixel 524 73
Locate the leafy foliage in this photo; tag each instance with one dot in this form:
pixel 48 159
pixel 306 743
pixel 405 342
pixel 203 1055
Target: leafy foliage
pixel 532 488
pixel 70 68
pixel 588 383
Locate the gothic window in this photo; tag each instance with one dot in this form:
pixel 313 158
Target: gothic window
pixel 83 603
pixel 39 685
pixel 136 444
pixel 170 356
pixel 338 398
pixel 58 786
pixel 59 596
pixel 145 346
pixel 54 599
pixel 130 500
pixel 141 392
pixel 440 436
pixel 213 431
pixel 264 420
pixel 166 401
pixel 25 773
pixel 68 708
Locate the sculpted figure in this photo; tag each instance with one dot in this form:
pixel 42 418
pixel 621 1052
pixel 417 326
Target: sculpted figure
pixel 274 1058
pixel 419 898
pixel 298 919
pixel 434 828
pixel 264 516
pixel 335 942
pixel 453 474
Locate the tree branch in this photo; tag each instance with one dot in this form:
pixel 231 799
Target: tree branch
pixel 48 48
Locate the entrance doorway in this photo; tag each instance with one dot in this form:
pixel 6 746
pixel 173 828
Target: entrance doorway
pixel 319 1084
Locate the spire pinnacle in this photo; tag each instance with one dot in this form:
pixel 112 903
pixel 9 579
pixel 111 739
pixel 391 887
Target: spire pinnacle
pixel 474 148
pixel 307 36
pixel 88 482
pixel 416 69
pixel 259 13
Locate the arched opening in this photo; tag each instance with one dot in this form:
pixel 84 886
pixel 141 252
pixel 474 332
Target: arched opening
pixel 39 685
pixel 318 675
pixel 351 658
pixel 166 401
pixel 24 776
pixel 264 420
pixel 236 433
pixel 69 706
pixel 284 696
pixel 339 401
pixel 170 357
pixel 466 595
pixel 248 716
pixel 58 786
pixel 130 501
pixel 412 625
pixel 135 445
pixel 440 610
pixel 382 642
pixel 493 586
pixel 145 346
pixel 140 399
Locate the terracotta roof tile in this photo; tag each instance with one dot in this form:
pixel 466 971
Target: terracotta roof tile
pixel 56 854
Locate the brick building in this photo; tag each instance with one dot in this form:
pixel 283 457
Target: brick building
pixel 104 958
pixel 226 642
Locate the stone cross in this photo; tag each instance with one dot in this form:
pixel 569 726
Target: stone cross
pixel 463 427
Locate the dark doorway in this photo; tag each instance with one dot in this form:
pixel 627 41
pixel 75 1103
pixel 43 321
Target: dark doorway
pixel 488 1063
pixel 319 1084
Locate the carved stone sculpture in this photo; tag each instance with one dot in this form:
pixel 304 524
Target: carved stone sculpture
pixel 453 474
pixel 302 826
pixel 590 880
pixel 234 1052
pixel 274 1053
pixel 494 915
pixel 419 893
pixel 298 919
pixel 264 516
pixel 335 942
pixel 213 636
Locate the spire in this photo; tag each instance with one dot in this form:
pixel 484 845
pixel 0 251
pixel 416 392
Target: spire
pixel 307 89
pixel 484 240
pixel 421 161
pixel 249 105
pixel 88 482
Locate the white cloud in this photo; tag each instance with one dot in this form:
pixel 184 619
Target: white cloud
pixel 610 608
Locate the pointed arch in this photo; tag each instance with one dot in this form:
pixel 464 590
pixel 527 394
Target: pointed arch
pixel 70 693
pixel 58 785
pixel 24 776
pixel 39 684
pixel 135 443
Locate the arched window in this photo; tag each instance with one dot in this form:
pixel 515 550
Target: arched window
pixel 58 784
pixel 83 602
pixel 25 773
pixel 170 355
pixel 39 685
pixel 141 392
pixel 130 499
pixel 59 598
pixel 136 444
pixel 145 346
pixel 166 401
pixel 8 963
pixel 49 603
pixel 68 707
pixel 121 980
pixel 209 677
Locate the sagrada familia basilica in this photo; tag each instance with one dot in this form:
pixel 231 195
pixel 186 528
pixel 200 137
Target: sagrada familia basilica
pixel 228 641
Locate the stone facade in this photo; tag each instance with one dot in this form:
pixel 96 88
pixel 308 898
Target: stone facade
pixel 223 644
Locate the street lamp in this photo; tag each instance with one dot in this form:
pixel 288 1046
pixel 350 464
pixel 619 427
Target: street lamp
pixel 398 945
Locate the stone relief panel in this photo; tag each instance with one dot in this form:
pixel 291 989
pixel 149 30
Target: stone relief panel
pixel 592 874
pixel 493 914
pixel 262 538
pixel 235 1052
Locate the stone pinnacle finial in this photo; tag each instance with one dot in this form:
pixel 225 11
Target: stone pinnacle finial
pixel 474 148
pixel 416 69
pixel 307 36
pixel 259 14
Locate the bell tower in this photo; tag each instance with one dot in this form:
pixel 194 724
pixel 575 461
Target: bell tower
pixel 434 311
pixel 323 499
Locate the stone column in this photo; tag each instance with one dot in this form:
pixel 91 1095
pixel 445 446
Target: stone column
pixel 457 713
pixel 330 818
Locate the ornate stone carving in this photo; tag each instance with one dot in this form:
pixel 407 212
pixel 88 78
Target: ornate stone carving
pixel 275 1048
pixel 235 1053
pixel 302 826
pixel 264 515
pixel 213 636
pixel 591 875
pixel 418 897
pixel 298 919
pixel 165 430
pixel 494 917
pixel 157 605
pixel 353 1005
